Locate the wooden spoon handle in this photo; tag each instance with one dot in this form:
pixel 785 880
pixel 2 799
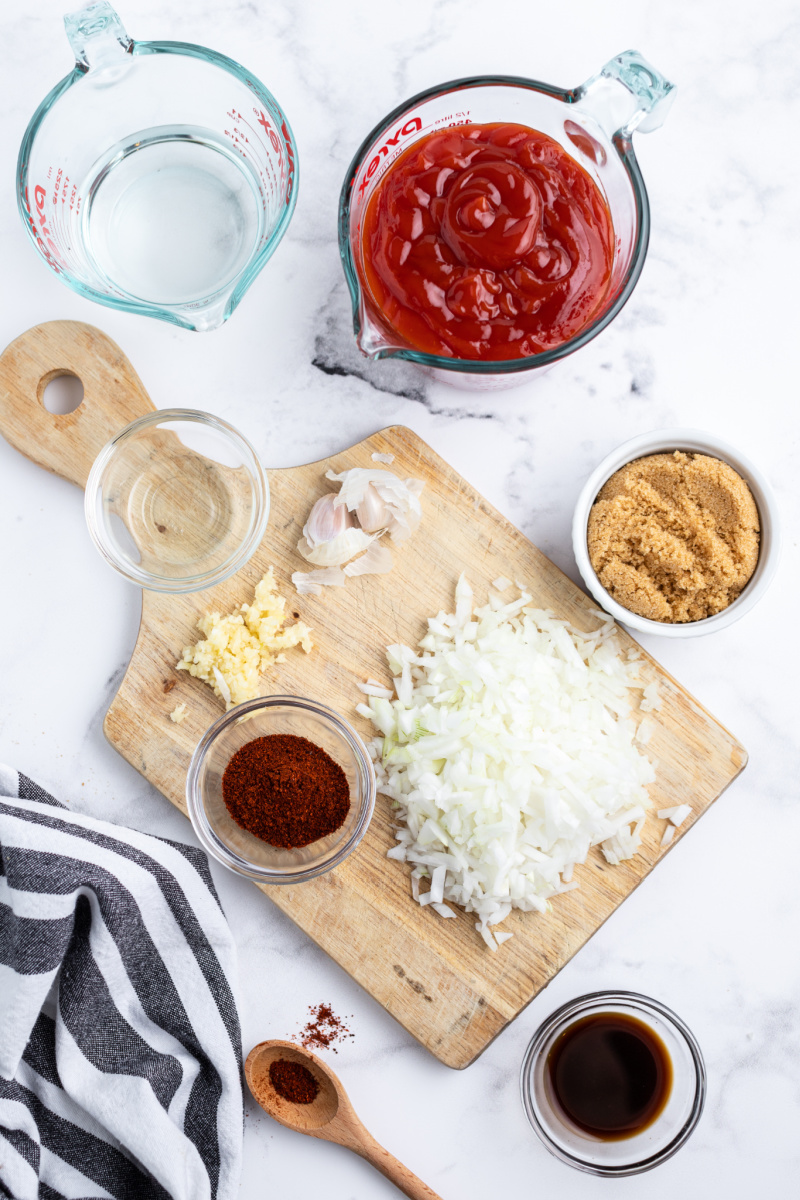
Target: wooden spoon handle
pixel 68 443
pixel 403 1179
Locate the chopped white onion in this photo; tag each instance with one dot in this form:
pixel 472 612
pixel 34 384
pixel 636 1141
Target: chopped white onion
pixel 644 732
pixel 651 698
pixel 222 684
pixel 508 753
pixel 501 584
pixel 375 689
pixel 676 815
pixel 668 835
pixel 383 458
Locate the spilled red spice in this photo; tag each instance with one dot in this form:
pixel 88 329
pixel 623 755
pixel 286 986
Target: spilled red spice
pixel 285 790
pixel 324 1029
pixel 293 1081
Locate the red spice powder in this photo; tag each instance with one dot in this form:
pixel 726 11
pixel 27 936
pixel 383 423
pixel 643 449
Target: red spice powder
pixel 324 1029
pixel 285 790
pixel 293 1081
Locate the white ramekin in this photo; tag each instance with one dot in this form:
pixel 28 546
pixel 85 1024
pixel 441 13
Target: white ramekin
pixel 696 441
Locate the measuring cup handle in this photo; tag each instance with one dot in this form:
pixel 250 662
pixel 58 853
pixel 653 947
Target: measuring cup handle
pixel 627 93
pixel 67 444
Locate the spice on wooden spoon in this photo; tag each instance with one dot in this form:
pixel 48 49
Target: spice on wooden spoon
pixel 329 1116
pixel 292 1081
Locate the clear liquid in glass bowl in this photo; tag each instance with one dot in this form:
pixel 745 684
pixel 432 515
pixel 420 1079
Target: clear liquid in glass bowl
pixel 178 501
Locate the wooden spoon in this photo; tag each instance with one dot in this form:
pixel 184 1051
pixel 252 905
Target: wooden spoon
pixel 330 1116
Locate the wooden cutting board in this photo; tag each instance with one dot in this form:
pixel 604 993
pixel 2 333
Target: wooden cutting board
pixel 436 977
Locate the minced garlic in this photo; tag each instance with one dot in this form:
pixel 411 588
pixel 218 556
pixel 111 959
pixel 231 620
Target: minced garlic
pixel 178 713
pixel 239 646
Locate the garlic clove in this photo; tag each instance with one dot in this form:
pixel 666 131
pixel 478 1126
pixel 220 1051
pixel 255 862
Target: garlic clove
pixel 371 511
pixel 400 498
pixel 326 521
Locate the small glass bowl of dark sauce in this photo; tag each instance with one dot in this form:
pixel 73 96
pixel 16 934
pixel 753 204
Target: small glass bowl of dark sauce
pixel 613 1083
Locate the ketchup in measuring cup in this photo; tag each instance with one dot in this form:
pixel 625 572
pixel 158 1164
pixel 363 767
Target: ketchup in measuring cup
pixel 487 242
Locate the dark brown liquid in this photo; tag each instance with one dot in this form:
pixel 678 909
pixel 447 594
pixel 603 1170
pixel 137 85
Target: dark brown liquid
pixel 610 1074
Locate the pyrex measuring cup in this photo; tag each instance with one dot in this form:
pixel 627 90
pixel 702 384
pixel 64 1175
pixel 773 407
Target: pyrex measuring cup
pixel 594 123
pixel 158 177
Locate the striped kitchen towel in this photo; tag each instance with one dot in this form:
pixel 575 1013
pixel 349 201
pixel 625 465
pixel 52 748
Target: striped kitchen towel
pixel 120 1050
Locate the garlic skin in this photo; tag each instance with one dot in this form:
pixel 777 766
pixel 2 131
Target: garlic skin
pixel 311 583
pixel 338 550
pixel 377 561
pixel 371 511
pixel 326 521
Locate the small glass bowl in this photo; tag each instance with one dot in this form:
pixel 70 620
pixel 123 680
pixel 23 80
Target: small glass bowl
pixel 642 1151
pixel 177 501
pixel 691 441
pixel 241 851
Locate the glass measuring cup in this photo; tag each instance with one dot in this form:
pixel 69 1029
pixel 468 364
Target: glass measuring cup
pixel 594 123
pixel 158 177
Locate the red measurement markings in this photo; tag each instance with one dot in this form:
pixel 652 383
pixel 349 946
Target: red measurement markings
pixel 258 144
pixel 247 149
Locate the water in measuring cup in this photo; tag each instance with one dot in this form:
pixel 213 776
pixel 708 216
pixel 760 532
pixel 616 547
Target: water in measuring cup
pixel 173 215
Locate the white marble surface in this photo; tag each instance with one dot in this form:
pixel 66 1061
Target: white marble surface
pixel 708 339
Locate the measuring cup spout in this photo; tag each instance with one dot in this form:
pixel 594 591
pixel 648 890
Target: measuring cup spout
pixel 371 339
pixel 213 314
pixel 97 37
pixel 626 94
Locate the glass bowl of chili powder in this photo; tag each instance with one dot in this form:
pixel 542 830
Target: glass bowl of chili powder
pixel 285 768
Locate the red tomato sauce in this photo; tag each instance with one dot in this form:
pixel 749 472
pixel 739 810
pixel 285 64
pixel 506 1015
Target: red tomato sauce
pixel 487 242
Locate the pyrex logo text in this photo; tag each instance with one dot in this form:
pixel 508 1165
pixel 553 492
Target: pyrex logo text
pixel 414 124
pixel 290 155
pixel 43 238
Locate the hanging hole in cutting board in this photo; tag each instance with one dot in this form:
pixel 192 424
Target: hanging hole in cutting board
pixel 62 393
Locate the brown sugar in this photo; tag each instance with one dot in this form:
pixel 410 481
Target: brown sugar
pixel 674 537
